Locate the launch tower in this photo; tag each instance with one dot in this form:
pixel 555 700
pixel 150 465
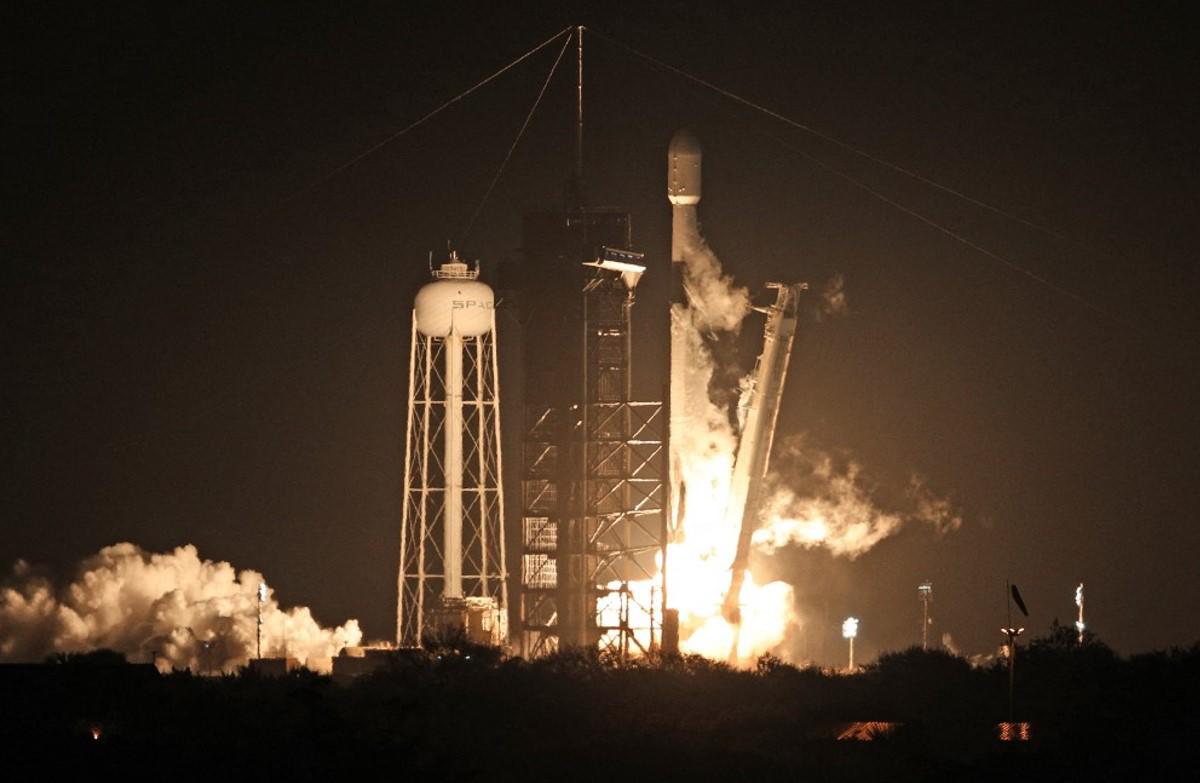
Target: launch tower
pixel 592 475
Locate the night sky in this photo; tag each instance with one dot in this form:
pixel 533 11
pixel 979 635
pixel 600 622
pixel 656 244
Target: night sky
pixel 205 336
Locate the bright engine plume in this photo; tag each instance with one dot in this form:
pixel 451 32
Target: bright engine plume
pixel 830 508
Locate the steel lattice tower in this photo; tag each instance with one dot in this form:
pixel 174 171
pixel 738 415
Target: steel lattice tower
pixel 592 478
pixel 452 569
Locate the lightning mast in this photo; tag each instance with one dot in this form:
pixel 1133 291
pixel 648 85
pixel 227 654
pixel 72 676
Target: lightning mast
pixel 590 492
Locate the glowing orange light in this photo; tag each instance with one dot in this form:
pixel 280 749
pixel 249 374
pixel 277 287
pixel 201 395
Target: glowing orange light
pixel 1013 732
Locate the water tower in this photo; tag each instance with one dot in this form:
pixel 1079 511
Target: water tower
pixel 452 573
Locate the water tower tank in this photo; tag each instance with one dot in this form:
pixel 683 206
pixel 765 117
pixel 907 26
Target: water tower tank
pixel 455 299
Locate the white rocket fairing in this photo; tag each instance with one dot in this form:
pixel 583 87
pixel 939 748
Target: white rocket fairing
pixel 683 191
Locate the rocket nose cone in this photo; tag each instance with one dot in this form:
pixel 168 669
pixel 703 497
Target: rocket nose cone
pixel 684 143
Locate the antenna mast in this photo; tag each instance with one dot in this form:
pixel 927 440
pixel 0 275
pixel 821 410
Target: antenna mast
pixel 579 104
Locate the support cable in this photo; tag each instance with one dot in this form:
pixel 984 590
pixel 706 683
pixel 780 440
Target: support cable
pixel 579 106
pixel 839 143
pixel 520 133
pixel 1007 263
pixel 1011 265
pixel 379 145
pixel 215 402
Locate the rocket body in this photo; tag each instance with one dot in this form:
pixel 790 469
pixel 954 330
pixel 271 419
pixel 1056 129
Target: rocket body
pixel 683 191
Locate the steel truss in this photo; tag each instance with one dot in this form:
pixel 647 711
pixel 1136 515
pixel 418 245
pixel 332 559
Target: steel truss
pixel 422 567
pixel 593 527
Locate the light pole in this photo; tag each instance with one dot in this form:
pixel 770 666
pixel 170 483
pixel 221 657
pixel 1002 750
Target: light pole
pixel 1012 634
pixel 849 631
pixel 262 596
pixel 205 652
pixel 925 594
pixel 1079 625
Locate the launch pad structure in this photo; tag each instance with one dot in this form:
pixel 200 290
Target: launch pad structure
pixel 593 528
pixel 595 491
pixel 589 510
pixel 594 495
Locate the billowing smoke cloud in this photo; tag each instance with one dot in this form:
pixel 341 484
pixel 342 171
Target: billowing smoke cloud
pixel 174 609
pixel 706 440
pixel 833 297
pixel 716 303
pixel 977 660
pixel 831 507
pixel 824 504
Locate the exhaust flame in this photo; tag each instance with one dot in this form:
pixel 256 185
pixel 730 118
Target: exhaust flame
pixel 835 512
pixel 174 609
pixel 705 445
pixel 828 508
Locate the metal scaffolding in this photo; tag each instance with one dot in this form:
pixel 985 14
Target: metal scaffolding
pixel 593 522
pixel 423 603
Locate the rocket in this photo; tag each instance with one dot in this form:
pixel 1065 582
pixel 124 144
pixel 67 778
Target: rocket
pixel 760 405
pixel 683 191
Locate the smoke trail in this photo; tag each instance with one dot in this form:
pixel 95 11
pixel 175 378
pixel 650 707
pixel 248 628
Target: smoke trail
pixel 833 297
pixel 716 303
pixel 830 507
pixel 704 441
pixel 174 609
pixel 706 444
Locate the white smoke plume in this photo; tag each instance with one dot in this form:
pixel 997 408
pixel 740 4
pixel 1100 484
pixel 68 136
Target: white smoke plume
pixel 705 441
pixel 716 303
pixel 174 609
pixel 835 509
pixel 833 297
pixel 976 660
pixel 832 509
